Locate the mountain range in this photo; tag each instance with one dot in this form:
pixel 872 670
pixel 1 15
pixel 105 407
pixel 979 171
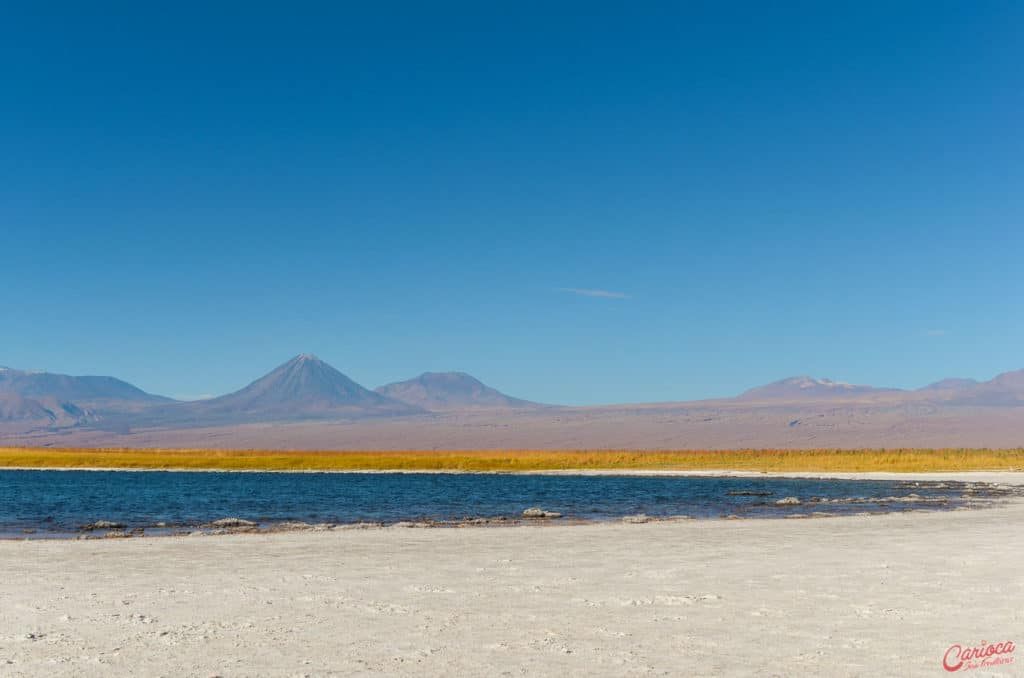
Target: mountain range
pixel 809 388
pixel 307 391
pixel 304 388
pixel 1006 389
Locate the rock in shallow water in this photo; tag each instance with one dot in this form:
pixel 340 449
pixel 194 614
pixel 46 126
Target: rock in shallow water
pixel 292 525
pixel 540 513
pixel 231 522
pixel 103 525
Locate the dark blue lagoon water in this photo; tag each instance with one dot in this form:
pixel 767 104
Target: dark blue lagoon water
pixel 59 503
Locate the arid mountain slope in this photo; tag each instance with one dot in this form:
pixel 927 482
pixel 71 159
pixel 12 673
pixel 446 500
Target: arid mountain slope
pixel 447 391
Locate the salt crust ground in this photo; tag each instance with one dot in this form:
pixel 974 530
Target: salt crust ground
pixel 852 596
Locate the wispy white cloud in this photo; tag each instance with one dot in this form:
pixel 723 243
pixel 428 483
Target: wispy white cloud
pixel 604 294
pixel 935 333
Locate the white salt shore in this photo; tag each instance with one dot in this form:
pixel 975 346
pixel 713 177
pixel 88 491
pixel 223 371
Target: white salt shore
pixel 849 596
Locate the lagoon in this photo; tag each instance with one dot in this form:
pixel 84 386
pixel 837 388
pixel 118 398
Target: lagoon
pixel 44 503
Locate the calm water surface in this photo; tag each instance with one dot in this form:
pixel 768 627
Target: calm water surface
pixel 55 503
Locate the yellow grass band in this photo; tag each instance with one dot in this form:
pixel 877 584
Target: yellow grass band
pixel 896 460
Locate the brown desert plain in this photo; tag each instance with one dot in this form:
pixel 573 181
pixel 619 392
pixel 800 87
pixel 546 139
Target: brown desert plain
pixel 306 404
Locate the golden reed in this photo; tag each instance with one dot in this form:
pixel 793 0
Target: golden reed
pixel 899 460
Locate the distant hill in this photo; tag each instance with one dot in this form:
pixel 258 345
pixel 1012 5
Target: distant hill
pixel 1002 390
pixel 441 391
pixel 65 387
pixel 952 384
pixel 1006 389
pixel 45 411
pixel 808 388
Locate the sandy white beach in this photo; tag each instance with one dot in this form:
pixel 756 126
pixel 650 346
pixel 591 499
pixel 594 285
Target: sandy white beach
pixel 852 596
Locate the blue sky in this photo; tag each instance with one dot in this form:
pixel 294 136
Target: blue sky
pixel 575 202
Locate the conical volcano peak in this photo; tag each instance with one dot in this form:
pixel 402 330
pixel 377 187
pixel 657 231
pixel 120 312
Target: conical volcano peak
pixel 304 360
pixel 302 387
